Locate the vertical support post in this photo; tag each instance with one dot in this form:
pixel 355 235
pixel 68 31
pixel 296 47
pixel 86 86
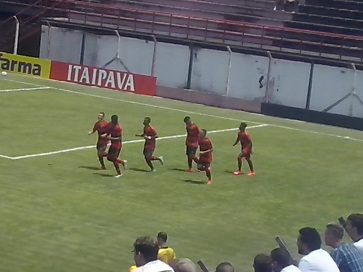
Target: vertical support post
pixel 48 40
pixel 118 44
pixel 229 69
pixel 154 56
pixel 190 68
pixel 16 40
pixel 353 94
pixel 310 86
pixel 267 91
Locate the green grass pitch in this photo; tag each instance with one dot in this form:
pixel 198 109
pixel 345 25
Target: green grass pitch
pixel 60 214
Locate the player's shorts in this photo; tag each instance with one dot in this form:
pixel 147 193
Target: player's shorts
pixel 191 150
pixel 148 152
pixel 245 153
pixel 101 147
pixel 113 152
pixel 203 165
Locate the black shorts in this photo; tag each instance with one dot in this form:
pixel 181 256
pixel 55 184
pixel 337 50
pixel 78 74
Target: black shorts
pixel 203 165
pixel 101 147
pixel 148 152
pixel 191 150
pixel 113 152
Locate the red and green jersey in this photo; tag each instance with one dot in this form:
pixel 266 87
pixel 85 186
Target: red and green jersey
pixel 101 127
pixel 149 143
pixel 192 135
pixel 205 144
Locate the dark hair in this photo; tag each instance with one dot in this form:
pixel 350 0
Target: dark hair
pixel 310 237
pixel 114 119
pixel 101 112
pixel 262 263
pixel 280 256
pixel 356 220
pixel 186 118
pixel 336 229
pixel 163 236
pixel 148 119
pixel 224 267
pixel 243 124
pixel 204 131
pixel 147 247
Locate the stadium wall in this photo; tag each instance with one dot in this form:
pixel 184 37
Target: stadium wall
pixel 208 71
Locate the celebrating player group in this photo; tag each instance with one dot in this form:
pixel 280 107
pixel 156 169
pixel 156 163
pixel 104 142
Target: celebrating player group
pixel 112 132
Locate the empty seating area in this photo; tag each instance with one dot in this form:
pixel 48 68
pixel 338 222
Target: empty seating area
pixel 326 29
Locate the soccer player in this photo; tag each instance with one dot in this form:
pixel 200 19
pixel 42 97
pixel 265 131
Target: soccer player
pixel 150 136
pixel 191 141
pixel 246 150
pixel 114 133
pixel 101 127
pixel 205 155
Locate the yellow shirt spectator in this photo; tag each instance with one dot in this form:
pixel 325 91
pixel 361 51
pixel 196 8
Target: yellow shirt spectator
pixel 166 254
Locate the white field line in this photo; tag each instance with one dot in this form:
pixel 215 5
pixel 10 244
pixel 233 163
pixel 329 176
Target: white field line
pixel 198 113
pixel 126 142
pixel 24 89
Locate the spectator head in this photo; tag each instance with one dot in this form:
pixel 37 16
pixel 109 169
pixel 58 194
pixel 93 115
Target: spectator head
pixel 145 250
pixel 224 267
pixel 184 265
pixel 280 259
pixel 333 234
pixel 354 226
pixel 308 240
pixel 262 263
pixel 162 237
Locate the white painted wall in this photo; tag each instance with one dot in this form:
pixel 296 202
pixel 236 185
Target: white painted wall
pixel 329 85
pixel 245 73
pixel 171 65
pixel 61 44
pixel 209 72
pixel 289 81
pixel 288 84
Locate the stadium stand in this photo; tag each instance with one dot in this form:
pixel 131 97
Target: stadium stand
pixel 317 29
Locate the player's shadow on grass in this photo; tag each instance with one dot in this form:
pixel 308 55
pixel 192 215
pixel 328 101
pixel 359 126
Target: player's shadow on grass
pixel 88 167
pixel 139 169
pixel 197 182
pixel 103 175
pixel 228 171
pixel 178 169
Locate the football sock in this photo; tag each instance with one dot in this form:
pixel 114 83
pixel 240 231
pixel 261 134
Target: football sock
pixel 239 164
pixel 117 167
pixel 190 162
pixel 100 158
pixel 208 174
pixel 149 163
pixel 250 164
pixel 153 158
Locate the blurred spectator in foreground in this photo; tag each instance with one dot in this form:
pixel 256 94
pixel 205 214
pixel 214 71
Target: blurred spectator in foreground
pixel 165 252
pixel 262 263
pixel 145 256
pixel 184 265
pixel 224 267
pixel 346 256
pixel 315 259
pixel 281 261
pixel 354 229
